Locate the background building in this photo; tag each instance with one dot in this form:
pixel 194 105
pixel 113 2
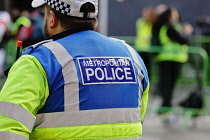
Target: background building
pixel 123 15
pixel 118 17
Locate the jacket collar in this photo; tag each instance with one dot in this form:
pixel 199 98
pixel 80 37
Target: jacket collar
pixel 66 33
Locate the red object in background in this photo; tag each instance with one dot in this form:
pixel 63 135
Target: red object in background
pixel 19 43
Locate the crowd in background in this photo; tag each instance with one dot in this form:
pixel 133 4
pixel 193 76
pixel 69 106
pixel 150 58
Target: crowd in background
pixel 161 27
pixel 22 25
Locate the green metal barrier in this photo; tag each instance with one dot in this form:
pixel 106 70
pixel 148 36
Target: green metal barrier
pixel 189 112
pixel 194 40
pixel 199 39
pixel 194 50
pixel 191 50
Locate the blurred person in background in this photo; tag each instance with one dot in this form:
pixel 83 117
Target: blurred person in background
pixel 78 84
pixel 4 22
pixel 26 26
pixel 165 34
pixel 35 32
pixel 185 29
pixel 160 8
pixel 10 37
pixel 144 34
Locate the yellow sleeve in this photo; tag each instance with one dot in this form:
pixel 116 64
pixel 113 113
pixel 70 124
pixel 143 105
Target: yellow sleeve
pixel 23 94
pixel 144 102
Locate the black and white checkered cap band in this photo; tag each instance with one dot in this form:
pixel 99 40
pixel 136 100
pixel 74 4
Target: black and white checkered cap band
pixel 59 6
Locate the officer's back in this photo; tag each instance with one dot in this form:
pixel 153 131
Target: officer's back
pixel 85 85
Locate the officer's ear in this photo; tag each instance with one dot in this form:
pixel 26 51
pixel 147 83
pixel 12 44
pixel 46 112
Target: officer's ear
pixel 53 20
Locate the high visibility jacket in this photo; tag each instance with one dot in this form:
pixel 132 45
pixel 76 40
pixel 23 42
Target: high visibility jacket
pixel 143 35
pixel 83 86
pixel 172 51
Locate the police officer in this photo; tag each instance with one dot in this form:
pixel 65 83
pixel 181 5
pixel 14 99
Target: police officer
pixel 142 41
pixel 78 84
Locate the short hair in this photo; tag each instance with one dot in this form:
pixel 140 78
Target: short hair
pixel 70 22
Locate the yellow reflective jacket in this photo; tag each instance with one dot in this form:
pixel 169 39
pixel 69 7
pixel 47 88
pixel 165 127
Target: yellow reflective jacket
pixel 172 51
pixel 27 91
pixel 143 35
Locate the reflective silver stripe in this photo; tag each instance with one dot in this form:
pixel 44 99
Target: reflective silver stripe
pixel 88 117
pixel 11 136
pixel 18 113
pixel 137 64
pixel 69 74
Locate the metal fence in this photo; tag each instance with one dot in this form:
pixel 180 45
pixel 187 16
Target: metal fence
pixel 202 70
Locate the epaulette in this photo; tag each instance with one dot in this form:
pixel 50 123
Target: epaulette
pixel 117 39
pixel 37 44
